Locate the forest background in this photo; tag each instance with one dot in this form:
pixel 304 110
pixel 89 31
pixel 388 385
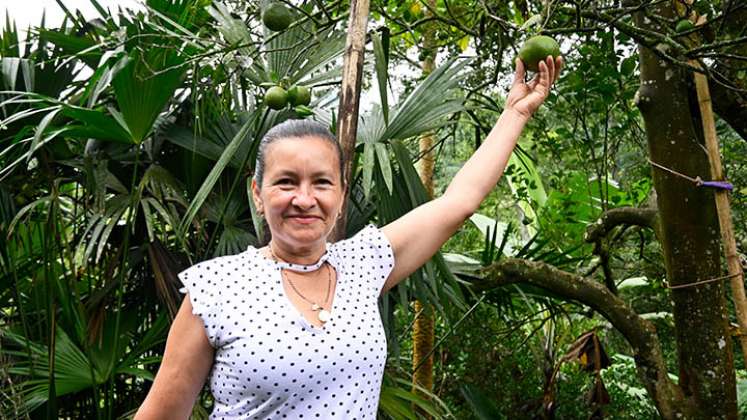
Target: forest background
pixel 591 283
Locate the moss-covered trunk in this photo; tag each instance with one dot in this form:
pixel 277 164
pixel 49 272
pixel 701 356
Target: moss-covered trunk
pixel 689 234
pixel 423 331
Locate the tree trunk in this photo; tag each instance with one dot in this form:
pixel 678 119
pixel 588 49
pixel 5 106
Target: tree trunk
pixel 423 331
pixel 689 228
pixel 347 122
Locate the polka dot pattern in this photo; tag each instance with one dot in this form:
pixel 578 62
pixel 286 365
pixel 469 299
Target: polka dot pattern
pixel 270 363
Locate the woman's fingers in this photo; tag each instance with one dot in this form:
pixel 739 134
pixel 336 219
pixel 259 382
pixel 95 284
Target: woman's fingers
pixel 546 68
pixel 558 66
pixel 520 72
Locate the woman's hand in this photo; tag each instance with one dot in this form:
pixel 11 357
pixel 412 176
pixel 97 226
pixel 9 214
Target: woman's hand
pixel 524 98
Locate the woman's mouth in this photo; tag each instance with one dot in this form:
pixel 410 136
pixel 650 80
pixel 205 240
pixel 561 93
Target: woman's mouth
pixel 304 219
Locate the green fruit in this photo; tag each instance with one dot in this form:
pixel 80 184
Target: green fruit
pixel 299 95
pixel 536 49
pixel 276 97
pixel 683 26
pixel 276 17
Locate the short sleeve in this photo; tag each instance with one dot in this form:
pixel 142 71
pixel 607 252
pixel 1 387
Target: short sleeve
pixel 371 255
pixel 200 283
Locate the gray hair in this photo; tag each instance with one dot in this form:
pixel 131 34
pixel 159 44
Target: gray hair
pixel 294 129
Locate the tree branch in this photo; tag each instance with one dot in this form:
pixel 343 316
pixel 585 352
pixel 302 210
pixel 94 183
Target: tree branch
pixel 640 333
pixel 646 217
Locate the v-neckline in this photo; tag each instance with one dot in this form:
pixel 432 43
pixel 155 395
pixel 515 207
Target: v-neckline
pixel 291 308
pixel 295 310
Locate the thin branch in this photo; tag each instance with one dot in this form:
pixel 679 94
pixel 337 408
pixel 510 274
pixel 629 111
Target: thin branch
pixel 630 216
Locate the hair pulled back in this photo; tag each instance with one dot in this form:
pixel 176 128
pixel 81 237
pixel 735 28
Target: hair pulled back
pixel 297 130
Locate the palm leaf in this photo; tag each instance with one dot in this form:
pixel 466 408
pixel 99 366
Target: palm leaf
pixel 207 186
pixel 382 74
pixel 84 48
pixel 399 401
pixel 145 85
pixel 427 107
pixel 73 371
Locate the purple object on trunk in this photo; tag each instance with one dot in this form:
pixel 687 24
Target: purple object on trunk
pixel 717 184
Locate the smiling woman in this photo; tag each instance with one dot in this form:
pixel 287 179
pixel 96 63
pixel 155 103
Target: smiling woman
pixel 293 330
pixel 300 194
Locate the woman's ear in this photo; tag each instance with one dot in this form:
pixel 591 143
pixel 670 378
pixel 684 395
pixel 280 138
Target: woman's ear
pixel 256 197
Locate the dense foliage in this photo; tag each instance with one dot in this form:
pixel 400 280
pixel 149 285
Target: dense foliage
pixel 127 142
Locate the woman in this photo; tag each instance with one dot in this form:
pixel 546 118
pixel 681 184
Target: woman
pixel 292 330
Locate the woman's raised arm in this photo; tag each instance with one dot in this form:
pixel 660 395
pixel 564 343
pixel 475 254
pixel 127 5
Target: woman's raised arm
pixel 417 235
pixel 186 363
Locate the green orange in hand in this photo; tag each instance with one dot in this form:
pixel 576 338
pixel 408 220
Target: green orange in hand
pixel 536 49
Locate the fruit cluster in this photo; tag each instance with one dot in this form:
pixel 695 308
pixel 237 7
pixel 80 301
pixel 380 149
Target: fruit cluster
pixel 277 17
pixel 277 98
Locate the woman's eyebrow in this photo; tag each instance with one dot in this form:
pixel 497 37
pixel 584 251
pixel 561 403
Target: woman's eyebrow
pixel 291 173
pixel 285 172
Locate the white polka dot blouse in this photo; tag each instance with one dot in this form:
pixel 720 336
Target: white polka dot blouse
pixel 270 363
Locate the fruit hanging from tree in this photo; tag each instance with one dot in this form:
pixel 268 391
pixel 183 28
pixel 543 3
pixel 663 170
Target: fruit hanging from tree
pixel 276 98
pixel 276 16
pixel 299 95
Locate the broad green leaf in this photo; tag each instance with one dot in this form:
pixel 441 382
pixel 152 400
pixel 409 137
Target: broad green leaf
pixel 529 176
pixel 384 165
pixel 40 129
pixel 463 43
pixel 215 173
pixel 233 30
pixel 367 168
pixel 145 85
pixel 382 75
pixel 95 124
pixel 82 47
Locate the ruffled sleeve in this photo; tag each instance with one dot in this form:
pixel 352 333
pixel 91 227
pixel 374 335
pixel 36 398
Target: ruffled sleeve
pixel 369 255
pixel 200 282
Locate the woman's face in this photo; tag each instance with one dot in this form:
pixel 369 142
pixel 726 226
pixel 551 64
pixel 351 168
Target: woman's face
pixel 301 193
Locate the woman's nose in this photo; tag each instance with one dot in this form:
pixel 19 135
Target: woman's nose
pixel 303 198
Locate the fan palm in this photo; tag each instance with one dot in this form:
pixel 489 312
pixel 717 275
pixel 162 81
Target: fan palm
pixel 115 181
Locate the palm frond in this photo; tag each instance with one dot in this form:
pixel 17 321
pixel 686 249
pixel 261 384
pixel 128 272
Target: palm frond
pixel 427 107
pixel 207 186
pixel 145 85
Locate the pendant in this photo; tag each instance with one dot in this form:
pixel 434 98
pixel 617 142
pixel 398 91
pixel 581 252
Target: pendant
pixel 315 307
pixel 324 315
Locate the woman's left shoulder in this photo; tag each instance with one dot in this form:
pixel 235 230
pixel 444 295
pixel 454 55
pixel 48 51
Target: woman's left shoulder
pixel 362 241
pixel 368 244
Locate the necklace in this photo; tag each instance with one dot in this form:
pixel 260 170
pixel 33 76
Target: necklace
pixel 323 314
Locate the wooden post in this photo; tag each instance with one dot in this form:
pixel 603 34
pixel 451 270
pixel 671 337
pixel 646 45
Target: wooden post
pixel 722 208
pixel 347 122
